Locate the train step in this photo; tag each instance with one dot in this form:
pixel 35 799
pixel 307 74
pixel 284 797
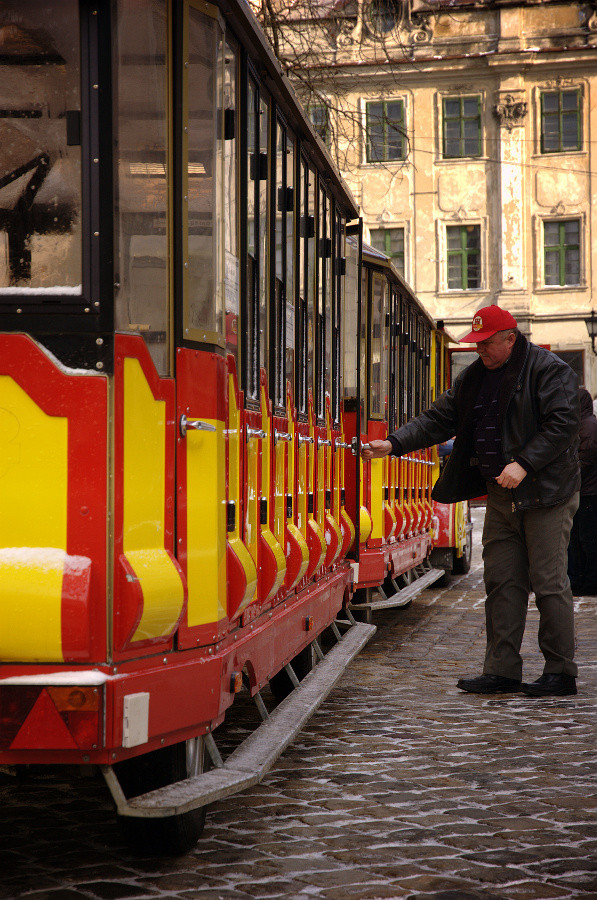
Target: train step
pixel 403 596
pixel 251 761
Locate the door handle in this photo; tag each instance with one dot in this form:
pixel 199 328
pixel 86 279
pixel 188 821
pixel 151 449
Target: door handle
pixel 282 436
pixel 305 439
pixel 341 444
pixel 195 424
pixel 256 433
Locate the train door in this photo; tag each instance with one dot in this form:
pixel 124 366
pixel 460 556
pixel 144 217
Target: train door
pixel 200 362
pixel 377 416
pixel 352 397
pixel 306 368
pixel 282 380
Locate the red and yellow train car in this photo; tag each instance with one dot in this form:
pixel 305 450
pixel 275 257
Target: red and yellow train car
pixel 174 270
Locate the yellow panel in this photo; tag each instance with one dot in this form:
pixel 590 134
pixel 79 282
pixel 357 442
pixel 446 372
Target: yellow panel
pixel 377 502
pixel 234 540
pixel 33 520
pixel 144 501
pixel 206 524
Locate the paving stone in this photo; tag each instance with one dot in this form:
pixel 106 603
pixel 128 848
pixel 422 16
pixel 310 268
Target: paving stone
pixel 401 787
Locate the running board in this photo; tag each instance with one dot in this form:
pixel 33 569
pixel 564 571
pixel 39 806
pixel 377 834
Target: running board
pixel 404 595
pixel 251 761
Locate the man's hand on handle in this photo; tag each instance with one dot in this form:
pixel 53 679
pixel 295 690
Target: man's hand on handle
pixel 376 450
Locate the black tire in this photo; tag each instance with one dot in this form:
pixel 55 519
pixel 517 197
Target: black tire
pixel 173 835
pixel 462 564
pixel 281 685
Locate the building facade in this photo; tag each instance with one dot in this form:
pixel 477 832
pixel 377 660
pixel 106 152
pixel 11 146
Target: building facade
pixel 467 130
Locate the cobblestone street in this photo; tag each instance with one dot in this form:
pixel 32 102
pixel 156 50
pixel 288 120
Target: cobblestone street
pixel 400 787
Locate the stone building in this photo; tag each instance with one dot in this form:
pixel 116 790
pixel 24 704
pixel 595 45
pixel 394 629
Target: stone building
pixel 466 129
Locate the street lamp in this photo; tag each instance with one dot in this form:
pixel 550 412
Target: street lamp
pixel 591 324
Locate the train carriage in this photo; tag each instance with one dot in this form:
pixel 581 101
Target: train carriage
pixel 194 345
pixel 174 269
pixel 405 540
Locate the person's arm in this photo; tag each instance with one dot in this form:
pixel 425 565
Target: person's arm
pixel 436 424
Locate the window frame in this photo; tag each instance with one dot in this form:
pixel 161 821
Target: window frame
pixel 559 113
pixel 92 311
pixel 387 237
pixel 373 159
pixel 461 118
pixel 562 248
pixel 463 252
pixel 326 133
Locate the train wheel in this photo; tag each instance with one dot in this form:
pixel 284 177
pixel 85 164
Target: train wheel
pixel 173 835
pixel 281 685
pixel 462 564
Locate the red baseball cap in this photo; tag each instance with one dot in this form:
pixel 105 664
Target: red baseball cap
pixel 486 322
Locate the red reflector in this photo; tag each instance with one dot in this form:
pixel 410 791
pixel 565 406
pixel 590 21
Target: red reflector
pixel 44 729
pixel 49 718
pixel 15 705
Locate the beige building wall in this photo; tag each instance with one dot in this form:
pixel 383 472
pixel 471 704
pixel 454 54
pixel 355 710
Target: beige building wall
pixel 507 54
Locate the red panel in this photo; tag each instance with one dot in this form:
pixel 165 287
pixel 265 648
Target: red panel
pixel 83 400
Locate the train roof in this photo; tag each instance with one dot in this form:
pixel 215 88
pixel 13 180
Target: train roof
pixel 380 259
pixel 241 17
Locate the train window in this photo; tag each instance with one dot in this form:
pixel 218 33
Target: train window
pixel 302 375
pixel 279 311
pixel 324 309
pixel 202 179
pixel 141 164
pixel 40 152
pixel 363 335
pixel 307 277
pixel 349 326
pixel 379 350
pixel 393 359
pixel 291 250
pixel 263 195
pixel 230 200
pixel 427 369
pixel 252 175
pixel 439 387
pixel 311 277
pixel 415 370
pixel 407 392
pixel 337 302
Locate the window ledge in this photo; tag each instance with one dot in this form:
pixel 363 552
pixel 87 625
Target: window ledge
pixel 558 288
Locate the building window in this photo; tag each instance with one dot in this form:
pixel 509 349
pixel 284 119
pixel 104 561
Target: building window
pixel 561 244
pixel 560 121
pixel 320 117
pixel 385 131
pixel 464 257
pixel 391 242
pixel 462 127
pixel 384 15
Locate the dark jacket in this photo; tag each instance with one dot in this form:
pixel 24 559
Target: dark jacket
pixel 539 422
pixel 587 450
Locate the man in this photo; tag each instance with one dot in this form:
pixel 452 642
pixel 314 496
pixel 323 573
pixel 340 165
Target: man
pixel 515 414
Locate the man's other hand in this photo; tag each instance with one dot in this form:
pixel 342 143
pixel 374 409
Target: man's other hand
pixel 376 450
pixel 511 475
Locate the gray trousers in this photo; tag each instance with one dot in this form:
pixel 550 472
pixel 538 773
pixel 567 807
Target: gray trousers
pixel 524 551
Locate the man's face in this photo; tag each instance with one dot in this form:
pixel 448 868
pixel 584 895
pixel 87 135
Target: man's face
pixel 495 350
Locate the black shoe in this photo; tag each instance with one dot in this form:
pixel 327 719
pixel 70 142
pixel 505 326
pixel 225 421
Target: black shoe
pixel 551 685
pixel 489 684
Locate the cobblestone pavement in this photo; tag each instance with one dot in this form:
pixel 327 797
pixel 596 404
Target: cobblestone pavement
pixel 400 787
